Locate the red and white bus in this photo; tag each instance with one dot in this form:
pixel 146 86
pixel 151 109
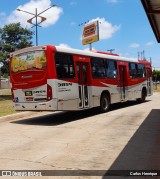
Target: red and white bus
pixel 50 78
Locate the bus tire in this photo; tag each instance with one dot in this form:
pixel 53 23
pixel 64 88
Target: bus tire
pixel 143 96
pixel 104 103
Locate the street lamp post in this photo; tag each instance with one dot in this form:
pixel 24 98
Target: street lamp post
pixel 36 15
pixel 36 29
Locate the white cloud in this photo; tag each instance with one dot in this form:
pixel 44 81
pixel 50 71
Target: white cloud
pixel 3 18
pixel 106 29
pixel 149 43
pixel 134 45
pixel 112 1
pixel 64 45
pixel 52 15
pixel 88 49
pixel 72 23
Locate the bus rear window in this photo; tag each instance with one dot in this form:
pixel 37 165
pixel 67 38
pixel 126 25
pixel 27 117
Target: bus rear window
pixel 28 61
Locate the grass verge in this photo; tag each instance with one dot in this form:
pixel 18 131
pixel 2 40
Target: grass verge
pixel 156 88
pixel 6 105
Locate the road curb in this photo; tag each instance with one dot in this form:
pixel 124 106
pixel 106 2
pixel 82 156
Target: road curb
pixel 17 116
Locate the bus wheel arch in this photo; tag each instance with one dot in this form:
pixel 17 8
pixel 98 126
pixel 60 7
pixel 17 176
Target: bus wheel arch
pixel 143 95
pixel 105 101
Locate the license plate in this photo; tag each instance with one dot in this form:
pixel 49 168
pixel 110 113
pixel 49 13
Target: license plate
pixel 28 93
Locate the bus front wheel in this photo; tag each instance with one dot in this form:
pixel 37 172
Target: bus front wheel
pixel 104 103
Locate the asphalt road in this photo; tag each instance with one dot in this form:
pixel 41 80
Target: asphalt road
pixel 126 138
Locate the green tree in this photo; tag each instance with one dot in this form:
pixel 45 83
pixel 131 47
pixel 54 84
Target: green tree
pixel 12 37
pixel 156 75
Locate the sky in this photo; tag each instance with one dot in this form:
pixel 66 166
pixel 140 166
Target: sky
pixel 123 24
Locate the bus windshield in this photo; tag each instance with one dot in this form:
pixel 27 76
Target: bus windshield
pixel 28 61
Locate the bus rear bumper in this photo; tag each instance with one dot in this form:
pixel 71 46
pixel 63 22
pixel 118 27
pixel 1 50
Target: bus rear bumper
pixel 40 106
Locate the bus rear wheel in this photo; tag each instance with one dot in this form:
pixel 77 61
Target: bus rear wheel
pixel 143 97
pixel 104 103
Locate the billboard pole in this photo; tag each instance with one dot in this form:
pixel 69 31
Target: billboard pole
pixel 90 46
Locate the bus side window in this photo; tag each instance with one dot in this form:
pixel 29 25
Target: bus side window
pixel 141 71
pixel 133 70
pixel 98 68
pixel 111 69
pixel 64 65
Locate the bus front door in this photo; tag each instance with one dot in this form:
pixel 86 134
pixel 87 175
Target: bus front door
pixel 122 82
pixel 82 70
